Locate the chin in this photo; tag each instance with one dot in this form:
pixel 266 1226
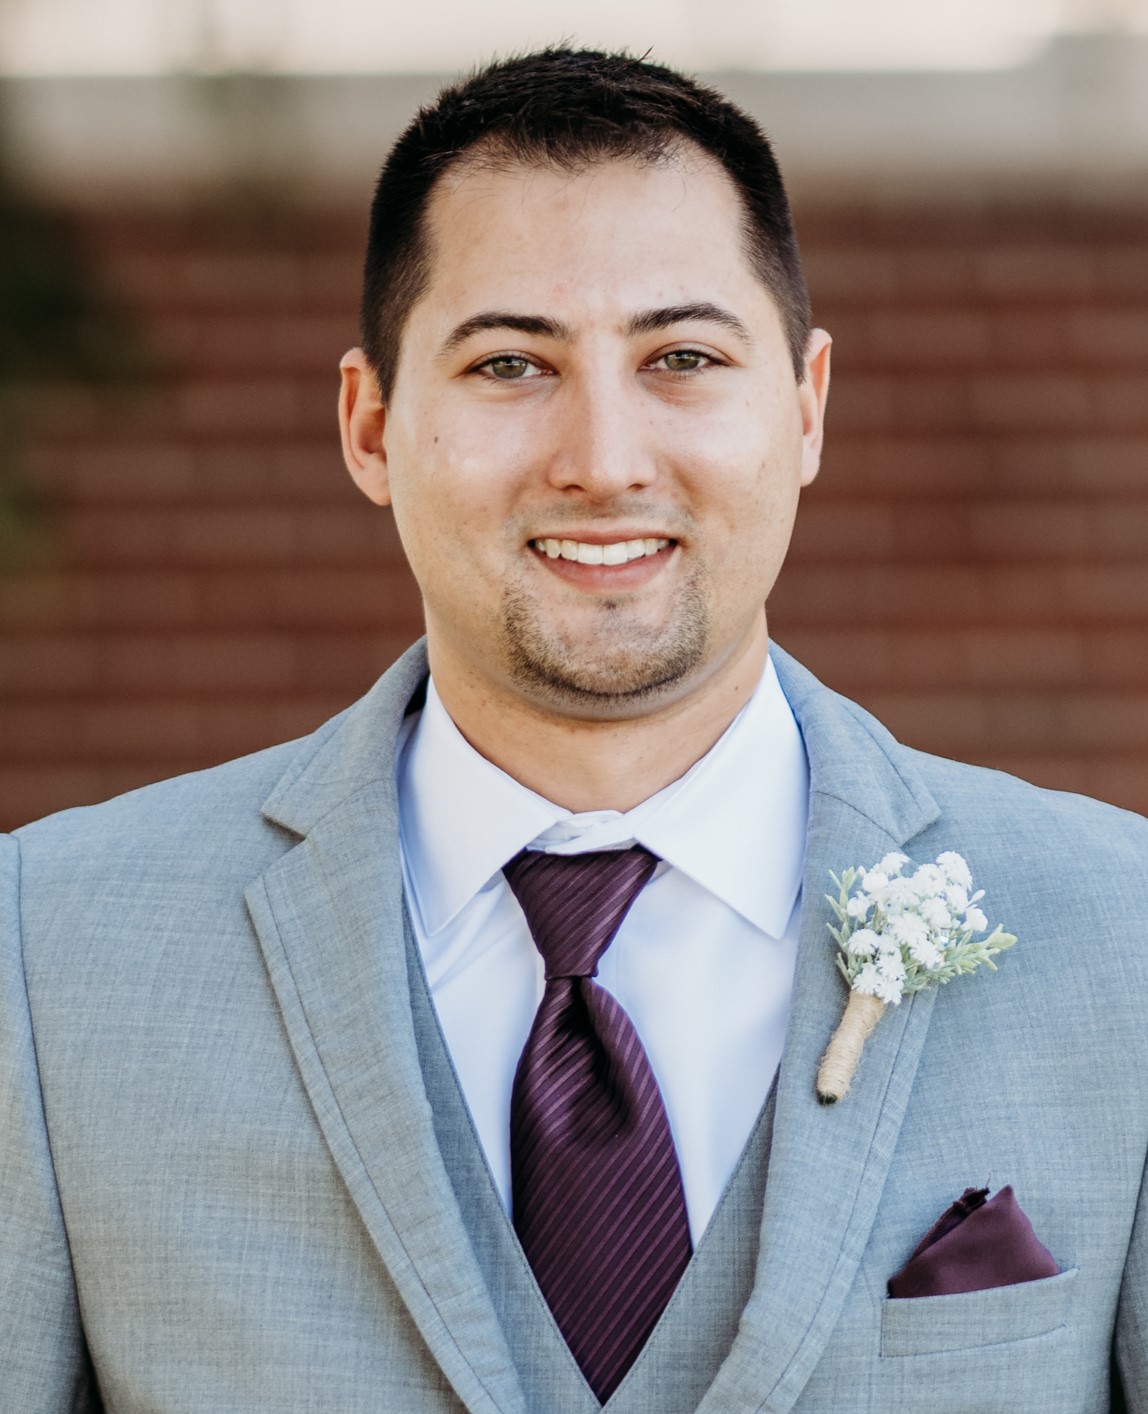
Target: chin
pixel 611 671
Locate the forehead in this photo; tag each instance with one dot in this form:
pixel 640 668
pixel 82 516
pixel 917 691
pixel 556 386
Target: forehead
pixel 609 231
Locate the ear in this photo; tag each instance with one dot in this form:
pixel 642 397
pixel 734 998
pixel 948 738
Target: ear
pixel 812 394
pixel 362 423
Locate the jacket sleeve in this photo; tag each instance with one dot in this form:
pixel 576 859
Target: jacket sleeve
pixel 1132 1315
pixel 44 1366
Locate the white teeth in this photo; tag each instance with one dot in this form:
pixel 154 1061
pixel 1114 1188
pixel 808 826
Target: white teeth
pixel 619 553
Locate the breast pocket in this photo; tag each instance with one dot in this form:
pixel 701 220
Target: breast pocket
pixel 926 1325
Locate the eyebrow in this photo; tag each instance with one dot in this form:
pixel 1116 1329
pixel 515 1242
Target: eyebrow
pixel 648 321
pixel 540 325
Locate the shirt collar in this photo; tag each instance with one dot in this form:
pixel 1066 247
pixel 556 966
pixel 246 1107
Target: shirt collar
pixel 734 823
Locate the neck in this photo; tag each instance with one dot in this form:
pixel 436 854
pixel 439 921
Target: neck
pixel 615 764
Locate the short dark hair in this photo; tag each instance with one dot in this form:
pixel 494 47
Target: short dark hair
pixel 566 109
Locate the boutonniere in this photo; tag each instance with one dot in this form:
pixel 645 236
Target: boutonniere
pixel 898 933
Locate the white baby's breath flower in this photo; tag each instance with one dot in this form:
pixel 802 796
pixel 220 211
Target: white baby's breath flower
pixel 926 953
pixel 863 943
pixel 929 879
pixel 956 869
pixel 897 934
pixel 908 929
pixel 899 895
pixel 935 913
pixel 891 966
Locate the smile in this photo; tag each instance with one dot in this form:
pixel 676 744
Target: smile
pixel 619 553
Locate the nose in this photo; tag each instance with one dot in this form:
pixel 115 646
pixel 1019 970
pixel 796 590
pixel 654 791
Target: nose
pixel 603 437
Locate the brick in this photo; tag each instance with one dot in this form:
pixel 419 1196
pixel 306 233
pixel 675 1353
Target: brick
pixel 347 663
pixel 1036 272
pixel 1060 530
pixel 43 731
pixel 141 729
pixel 862 403
pixel 225 406
pixel 1122 272
pixel 120 538
pixel 906 465
pixel 245 535
pixel 29 792
pixel 850 276
pixel 115 474
pixel 200 663
pixel 834 532
pixel 844 659
pixel 929 339
pixel 945 723
pixel 301 469
pixel 236 728
pixel 56 665
pixel 1036 402
pixel 147 599
pixel 936 403
pixel 1095 465
pixel 1025 657
pixel 934 272
pixel 255 280
pixel 299 343
pixel 36 602
pixel 1109 594
pixel 366 598
pixel 1109 336
pixel 336 535
pixel 1121 402
pixel 1123 780
pixel 1117 658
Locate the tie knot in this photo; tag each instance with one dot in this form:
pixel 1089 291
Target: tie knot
pixel 575 903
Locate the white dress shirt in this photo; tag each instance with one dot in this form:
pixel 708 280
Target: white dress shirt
pixel 703 962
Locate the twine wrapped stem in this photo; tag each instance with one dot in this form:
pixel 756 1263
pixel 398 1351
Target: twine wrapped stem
pixel 839 1063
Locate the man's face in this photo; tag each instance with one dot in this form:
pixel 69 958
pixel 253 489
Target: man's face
pixel 595 441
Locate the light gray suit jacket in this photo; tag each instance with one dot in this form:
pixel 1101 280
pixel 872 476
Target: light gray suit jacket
pixel 221 1184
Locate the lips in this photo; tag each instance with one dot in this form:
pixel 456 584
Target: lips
pixel 619 552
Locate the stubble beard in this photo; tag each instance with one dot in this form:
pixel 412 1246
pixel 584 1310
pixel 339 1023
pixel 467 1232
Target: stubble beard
pixel 618 667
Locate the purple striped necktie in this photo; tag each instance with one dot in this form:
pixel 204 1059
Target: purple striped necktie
pixel 598 1200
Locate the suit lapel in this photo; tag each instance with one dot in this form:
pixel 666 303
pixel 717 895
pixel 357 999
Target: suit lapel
pixel 827 1165
pixel 330 921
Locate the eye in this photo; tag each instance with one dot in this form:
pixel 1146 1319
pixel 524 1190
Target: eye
pixel 683 361
pixel 508 368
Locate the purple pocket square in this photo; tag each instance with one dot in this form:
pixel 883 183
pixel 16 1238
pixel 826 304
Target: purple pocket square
pixel 975 1245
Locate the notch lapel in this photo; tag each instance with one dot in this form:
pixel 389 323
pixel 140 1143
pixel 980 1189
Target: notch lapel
pixel 827 1165
pixel 329 917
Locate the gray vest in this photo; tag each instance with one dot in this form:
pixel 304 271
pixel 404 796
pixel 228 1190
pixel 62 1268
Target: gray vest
pixel 693 1337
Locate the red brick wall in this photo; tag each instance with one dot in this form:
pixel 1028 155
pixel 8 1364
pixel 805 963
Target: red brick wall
pixel 972 563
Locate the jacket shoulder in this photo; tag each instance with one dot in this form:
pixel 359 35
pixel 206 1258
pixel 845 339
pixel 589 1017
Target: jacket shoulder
pixel 1052 828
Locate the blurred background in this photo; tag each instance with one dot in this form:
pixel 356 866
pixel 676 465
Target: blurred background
pixel 187 574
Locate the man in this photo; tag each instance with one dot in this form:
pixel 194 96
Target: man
pixel 268 1140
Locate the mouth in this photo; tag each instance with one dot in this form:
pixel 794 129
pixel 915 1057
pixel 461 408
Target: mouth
pixel 618 552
